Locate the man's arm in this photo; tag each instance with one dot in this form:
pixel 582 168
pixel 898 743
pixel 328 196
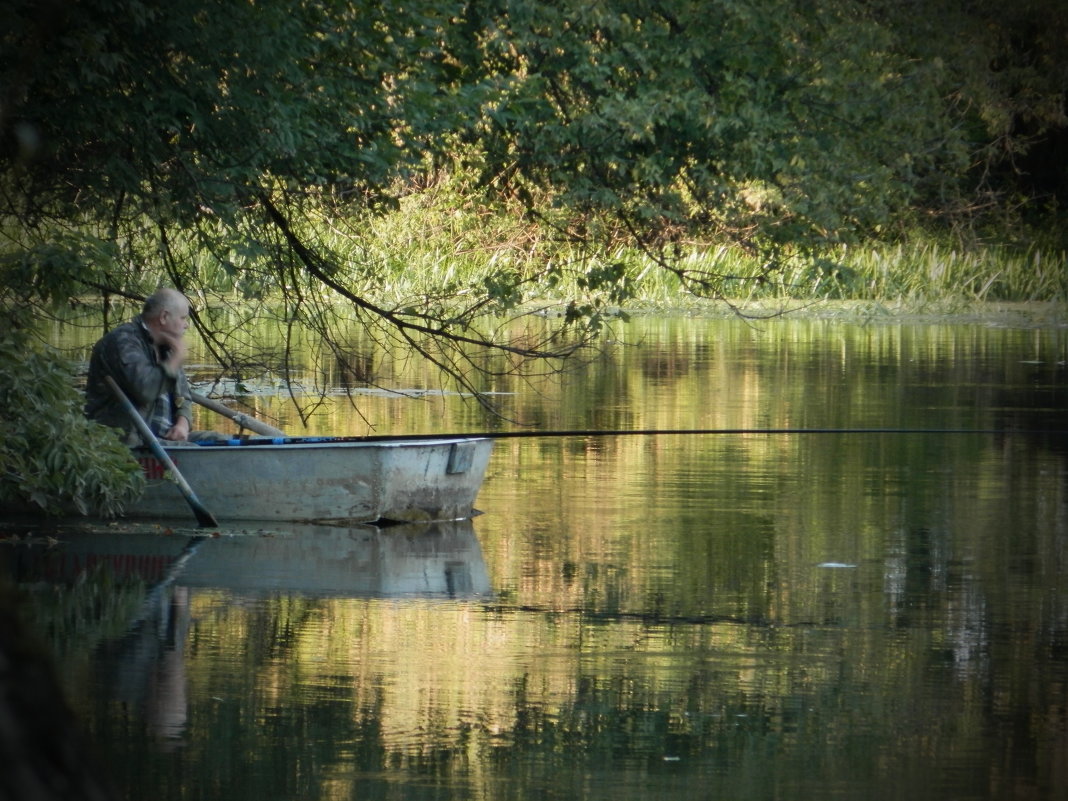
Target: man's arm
pixel 183 414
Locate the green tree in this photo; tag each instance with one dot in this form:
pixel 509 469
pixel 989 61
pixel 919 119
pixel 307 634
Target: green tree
pixel 775 123
pixel 779 125
pixel 1002 71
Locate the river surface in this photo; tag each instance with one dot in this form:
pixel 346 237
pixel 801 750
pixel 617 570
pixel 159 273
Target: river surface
pixel 789 616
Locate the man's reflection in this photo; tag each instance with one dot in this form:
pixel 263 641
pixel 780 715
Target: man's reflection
pixel 147 665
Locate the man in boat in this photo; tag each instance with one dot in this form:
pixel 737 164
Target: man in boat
pixel 145 357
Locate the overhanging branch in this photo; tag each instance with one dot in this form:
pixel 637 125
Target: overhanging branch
pixel 313 264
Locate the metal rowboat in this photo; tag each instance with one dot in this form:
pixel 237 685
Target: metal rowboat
pixel 320 479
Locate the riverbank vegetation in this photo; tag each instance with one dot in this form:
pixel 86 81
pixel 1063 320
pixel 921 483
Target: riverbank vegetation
pixel 435 238
pixel 431 168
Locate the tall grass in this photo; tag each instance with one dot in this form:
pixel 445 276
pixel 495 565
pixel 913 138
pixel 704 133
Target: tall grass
pixel 430 245
pixel 924 270
pixel 441 244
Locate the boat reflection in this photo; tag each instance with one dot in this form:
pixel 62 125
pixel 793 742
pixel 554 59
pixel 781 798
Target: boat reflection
pixel 427 560
pixel 144 668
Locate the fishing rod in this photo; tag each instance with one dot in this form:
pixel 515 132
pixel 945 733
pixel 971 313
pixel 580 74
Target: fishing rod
pixel 269 435
pixel 643 432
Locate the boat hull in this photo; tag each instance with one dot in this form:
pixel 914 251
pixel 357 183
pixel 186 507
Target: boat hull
pixel 320 480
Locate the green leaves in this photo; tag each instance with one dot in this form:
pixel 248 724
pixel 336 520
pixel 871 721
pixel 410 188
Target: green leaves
pixel 653 111
pixel 51 457
pixel 230 145
pixel 666 113
pixel 660 115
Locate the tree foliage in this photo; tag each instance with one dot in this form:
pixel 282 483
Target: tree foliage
pixel 1002 73
pixel 778 124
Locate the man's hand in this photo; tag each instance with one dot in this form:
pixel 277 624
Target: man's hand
pixel 172 350
pixel 179 431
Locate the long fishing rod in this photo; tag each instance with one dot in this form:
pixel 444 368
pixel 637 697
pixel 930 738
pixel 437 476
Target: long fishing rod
pixel 273 436
pixel 627 432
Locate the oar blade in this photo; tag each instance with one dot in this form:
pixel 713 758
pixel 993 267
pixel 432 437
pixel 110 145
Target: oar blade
pixel 205 518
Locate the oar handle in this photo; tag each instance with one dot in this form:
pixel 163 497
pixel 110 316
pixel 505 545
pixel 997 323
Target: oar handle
pixel 243 420
pixel 204 517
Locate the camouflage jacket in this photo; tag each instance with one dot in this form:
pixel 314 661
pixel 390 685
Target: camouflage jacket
pixel 128 355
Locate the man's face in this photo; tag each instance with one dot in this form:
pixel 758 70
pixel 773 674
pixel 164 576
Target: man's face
pixel 175 321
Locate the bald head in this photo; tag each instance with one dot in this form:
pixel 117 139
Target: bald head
pixel 166 314
pixel 165 300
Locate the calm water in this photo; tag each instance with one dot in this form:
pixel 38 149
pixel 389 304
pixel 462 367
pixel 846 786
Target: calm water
pixel 745 616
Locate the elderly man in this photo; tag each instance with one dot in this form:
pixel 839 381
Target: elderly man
pixel 145 357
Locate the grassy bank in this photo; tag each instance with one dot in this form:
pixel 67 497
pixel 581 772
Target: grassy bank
pixel 439 248
pixel 436 242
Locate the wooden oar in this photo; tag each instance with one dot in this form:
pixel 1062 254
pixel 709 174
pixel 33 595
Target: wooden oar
pixel 243 420
pixel 204 517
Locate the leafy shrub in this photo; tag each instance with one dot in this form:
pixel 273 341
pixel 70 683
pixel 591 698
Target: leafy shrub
pixel 51 456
